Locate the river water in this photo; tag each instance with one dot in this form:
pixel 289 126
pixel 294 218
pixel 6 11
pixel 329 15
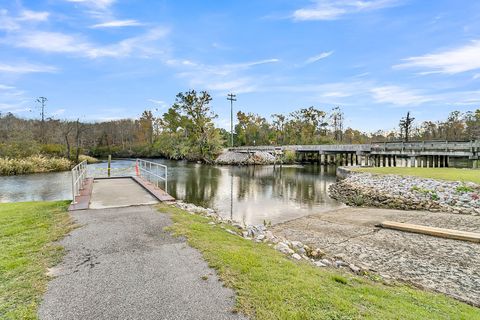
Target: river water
pixel 251 195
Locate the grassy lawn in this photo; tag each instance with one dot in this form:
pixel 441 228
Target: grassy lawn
pixel 27 231
pixel 453 174
pixel 270 286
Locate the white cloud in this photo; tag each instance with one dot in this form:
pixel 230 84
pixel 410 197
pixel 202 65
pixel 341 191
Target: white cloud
pixel 5 87
pixel 99 4
pixel 28 15
pixel 11 23
pixel 160 104
pixel 56 42
pixel 26 68
pixel 452 61
pixel 117 24
pixel 57 112
pixel 318 57
pixel 335 9
pixel 399 96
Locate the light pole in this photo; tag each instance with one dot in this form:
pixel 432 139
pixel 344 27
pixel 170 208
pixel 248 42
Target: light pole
pixel 231 97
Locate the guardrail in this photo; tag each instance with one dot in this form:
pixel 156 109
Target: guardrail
pixel 79 174
pixel 152 171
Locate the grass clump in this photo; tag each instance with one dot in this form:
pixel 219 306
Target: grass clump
pixel 27 231
pixel 464 189
pixel 449 174
pixel 270 286
pixel 89 159
pixel 33 164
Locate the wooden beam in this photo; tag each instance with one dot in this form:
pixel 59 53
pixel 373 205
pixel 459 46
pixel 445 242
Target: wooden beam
pixel 432 231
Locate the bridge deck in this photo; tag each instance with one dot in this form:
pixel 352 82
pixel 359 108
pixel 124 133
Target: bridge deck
pixel 122 192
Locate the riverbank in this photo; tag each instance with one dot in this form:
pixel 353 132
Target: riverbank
pixel 405 192
pixel 27 240
pixel 270 286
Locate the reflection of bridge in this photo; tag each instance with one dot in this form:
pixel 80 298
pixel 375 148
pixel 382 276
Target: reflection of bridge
pixel 384 154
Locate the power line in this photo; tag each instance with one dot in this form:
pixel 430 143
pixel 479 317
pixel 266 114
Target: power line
pixel 231 97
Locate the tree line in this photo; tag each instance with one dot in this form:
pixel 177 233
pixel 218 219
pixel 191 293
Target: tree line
pixel 187 131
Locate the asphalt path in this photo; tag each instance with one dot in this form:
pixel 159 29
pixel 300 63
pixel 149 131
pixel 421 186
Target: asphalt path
pixel 121 264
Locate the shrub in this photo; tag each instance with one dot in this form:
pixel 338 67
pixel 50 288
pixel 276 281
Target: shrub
pixel 56 150
pixel 289 156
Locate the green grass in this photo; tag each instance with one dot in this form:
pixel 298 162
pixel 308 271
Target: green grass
pixel 270 286
pixel 451 174
pixel 27 231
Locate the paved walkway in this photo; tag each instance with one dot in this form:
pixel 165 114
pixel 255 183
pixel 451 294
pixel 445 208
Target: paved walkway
pixel 445 265
pixel 120 264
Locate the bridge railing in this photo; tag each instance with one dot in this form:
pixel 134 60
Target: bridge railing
pixel 79 174
pixel 152 171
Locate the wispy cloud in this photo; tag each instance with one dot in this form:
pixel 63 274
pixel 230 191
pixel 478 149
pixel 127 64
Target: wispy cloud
pixel 56 42
pixel 117 24
pixel 10 23
pixel 222 78
pixel 318 57
pixel 26 68
pixel 160 104
pixel 97 4
pixel 399 96
pixel 462 59
pixel 29 15
pixel 335 9
pixel 57 112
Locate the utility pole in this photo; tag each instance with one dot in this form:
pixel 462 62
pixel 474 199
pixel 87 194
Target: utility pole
pixel 231 97
pixel 43 102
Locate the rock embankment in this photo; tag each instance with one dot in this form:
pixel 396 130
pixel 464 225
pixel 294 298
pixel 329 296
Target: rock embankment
pixel 242 158
pixel 295 250
pixel 407 193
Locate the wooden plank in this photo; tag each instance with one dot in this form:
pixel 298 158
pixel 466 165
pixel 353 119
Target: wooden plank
pixel 432 231
pixel 154 190
pixel 82 201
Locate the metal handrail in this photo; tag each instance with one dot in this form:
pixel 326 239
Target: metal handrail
pixel 145 167
pixel 79 174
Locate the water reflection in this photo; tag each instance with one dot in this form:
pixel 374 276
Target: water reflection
pixel 245 194
pixel 254 194
pixel 36 187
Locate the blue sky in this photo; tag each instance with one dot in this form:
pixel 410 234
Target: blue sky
pixel 110 59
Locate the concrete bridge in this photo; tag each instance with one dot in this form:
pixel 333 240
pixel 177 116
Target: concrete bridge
pixel 384 154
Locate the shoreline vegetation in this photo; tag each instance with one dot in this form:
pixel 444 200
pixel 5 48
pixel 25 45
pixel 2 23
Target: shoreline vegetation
pixel 262 276
pixel 38 164
pixel 28 233
pixel 188 130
